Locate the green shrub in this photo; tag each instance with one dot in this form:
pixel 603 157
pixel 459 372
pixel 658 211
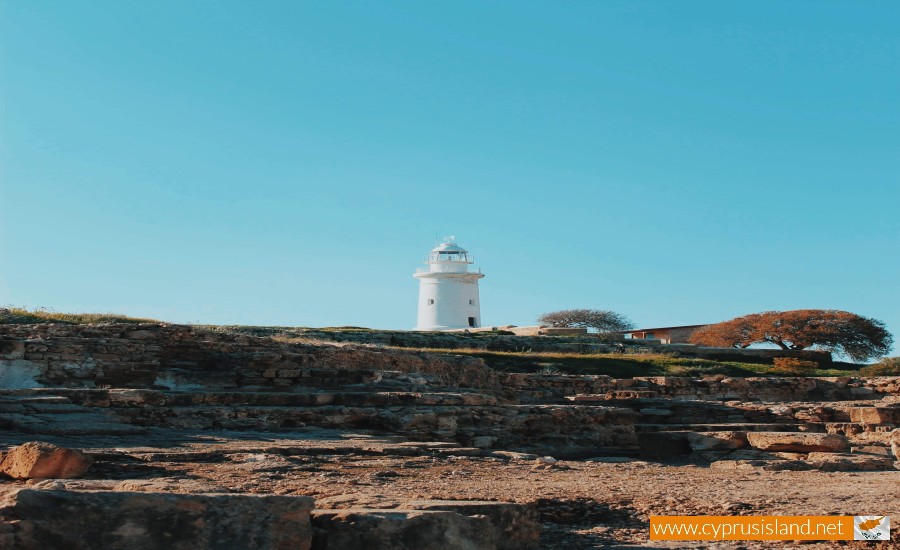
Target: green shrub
pixel 889 366
pixel 792 366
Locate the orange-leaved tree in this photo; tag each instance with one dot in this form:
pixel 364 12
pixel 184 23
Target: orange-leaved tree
pixel 842 332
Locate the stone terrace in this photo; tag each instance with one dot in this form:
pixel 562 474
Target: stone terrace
pixel 151 401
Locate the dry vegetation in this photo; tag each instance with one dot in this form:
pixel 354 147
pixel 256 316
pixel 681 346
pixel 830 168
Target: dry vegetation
pixel 22 316
pixel 889 366
pixel 626 365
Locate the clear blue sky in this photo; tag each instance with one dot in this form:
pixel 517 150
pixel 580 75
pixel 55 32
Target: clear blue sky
pixel 291 163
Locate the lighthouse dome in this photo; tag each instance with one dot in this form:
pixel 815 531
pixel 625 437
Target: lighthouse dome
pixel 449 251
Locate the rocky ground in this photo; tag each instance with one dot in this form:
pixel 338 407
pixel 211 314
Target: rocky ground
pixel 583 504
pixel 191 423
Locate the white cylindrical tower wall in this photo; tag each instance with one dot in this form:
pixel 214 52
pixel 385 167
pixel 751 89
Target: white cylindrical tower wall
pixel 448 290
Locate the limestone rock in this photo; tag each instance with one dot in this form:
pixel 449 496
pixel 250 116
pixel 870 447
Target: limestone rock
pixel 895 442
pixel 401 530
pixel 513 455
pixel 717 441
pixel 516 526
pixel 165 486
pixel 753 454
pixel 552 466
pixel 611 459
pixel 790 456
pixel 798 442
pixel 81 520
pixel 752 459
pixel 874 415
pixel 871 450
pixel 846 462
pixel 484 441
pixel 37 459
pixel 774 465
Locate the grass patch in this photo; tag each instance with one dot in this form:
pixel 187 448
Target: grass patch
pixel 889 366
pixel 619 365
pixel 22 316
pixel 343 329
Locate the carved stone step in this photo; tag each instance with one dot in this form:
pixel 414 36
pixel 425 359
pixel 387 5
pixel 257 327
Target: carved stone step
pixel 745 427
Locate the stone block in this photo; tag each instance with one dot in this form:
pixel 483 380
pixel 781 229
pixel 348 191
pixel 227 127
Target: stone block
pixel 324 398
pixel 655 411
pixel 846 462
pixel 717 441
pixel 513 455
pixel 91 520
pixel 119 398
pixel 798 442
pixel 871 450
pixel 11 349
pixel 141 334
pixel 516 526
pixel 588 398
pixel 631 394
pixel 874 415
pixel 400 530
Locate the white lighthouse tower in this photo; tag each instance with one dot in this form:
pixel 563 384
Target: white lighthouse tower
pixel 448 289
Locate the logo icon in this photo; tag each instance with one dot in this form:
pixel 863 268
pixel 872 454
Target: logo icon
pixel 871 527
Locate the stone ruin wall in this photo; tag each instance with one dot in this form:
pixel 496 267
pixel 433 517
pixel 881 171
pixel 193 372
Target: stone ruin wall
pixel 538 387
pixel 181 357
pixel 510 343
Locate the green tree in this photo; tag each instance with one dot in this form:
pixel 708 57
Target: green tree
pixel 596 319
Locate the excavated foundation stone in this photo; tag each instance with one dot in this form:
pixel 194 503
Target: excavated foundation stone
pixel 83 520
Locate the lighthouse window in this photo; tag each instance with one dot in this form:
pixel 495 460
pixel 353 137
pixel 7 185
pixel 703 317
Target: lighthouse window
pixel 430 302
pixel 452 257
pixel 471 302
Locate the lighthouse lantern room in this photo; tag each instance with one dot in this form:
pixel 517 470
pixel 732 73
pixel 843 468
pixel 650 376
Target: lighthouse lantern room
pixel 448 289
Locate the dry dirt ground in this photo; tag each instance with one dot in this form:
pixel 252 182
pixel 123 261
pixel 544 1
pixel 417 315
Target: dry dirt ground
pixel 583 504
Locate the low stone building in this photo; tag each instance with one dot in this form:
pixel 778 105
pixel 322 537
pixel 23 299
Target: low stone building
pixel 665 335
